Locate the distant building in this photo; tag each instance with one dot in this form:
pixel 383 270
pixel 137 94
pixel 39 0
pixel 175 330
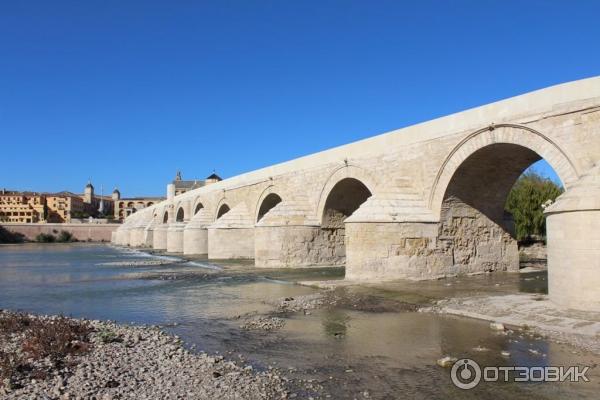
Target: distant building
pixel 96 206
pixel 182 186
pixel 22 206
pixel 61 207
pixel 212 178
pixel 124 207
pixel 29 207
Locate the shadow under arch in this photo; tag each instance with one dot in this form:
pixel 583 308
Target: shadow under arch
pixel 529 145
pixel 268 199
pixel 199 206
pixel 180 215
pixel 344 172
pixel 222 210
pixel 475 232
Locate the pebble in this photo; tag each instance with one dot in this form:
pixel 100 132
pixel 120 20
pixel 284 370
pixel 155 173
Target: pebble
pixel 446 362
pixel 498 326
pixel 155 368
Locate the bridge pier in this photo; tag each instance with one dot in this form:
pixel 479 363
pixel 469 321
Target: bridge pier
pixel 123 236
pixel 136 234
pixel 395 236
pixel 195 234
pixel 290 236
pixel 148 237
pixel 232 235
pixel 573 239
pixel 175 237
pixel 387 251
pixel 286 246
pixel 230 243
pixel 159 237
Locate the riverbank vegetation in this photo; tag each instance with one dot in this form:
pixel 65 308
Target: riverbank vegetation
pixel 7 236
pixel 32 347
pixel 49 357
pixel 525 204
pixel 62 237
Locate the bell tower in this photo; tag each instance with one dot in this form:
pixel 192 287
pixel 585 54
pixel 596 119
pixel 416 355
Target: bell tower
pixel 88 193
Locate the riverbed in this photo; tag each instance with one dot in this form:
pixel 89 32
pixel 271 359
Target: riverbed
pixel 369 343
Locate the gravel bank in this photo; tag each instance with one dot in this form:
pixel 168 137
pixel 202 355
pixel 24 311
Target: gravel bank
pixel 130 362
pixel 141 263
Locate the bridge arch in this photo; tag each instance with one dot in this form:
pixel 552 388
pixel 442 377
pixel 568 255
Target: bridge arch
pixel 198 206
pixel 475 232
pixel 503 145
pixel 268 199
pixel 222 209
pixel 344 198
pixel 180 214
pixel 339 174
pixel 346 189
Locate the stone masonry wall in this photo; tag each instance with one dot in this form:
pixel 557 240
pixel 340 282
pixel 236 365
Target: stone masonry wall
pixel 81 232
pixel 231 243
pixel 476 243
pixel 286 246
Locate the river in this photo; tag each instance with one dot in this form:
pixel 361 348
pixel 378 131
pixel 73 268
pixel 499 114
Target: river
pixel 369 346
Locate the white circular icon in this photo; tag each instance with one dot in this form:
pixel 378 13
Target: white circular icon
pixel 465 373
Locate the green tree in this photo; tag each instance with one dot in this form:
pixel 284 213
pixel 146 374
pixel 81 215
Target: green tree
pixel 525 203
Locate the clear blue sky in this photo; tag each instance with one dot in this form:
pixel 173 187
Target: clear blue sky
pixel 238 85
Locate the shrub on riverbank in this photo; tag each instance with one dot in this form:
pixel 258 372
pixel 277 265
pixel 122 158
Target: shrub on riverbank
pixel 45 238
pixel 32 347
pixel 7 236
pixel 65 237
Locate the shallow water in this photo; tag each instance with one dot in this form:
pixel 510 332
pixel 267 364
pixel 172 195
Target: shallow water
pixel 381 350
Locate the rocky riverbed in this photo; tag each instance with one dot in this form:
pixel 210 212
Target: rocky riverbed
pixel 111 361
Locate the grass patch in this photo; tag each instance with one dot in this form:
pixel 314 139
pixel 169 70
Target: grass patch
pixel 107 336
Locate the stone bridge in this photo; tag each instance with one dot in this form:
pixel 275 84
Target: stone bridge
pixel 421 202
